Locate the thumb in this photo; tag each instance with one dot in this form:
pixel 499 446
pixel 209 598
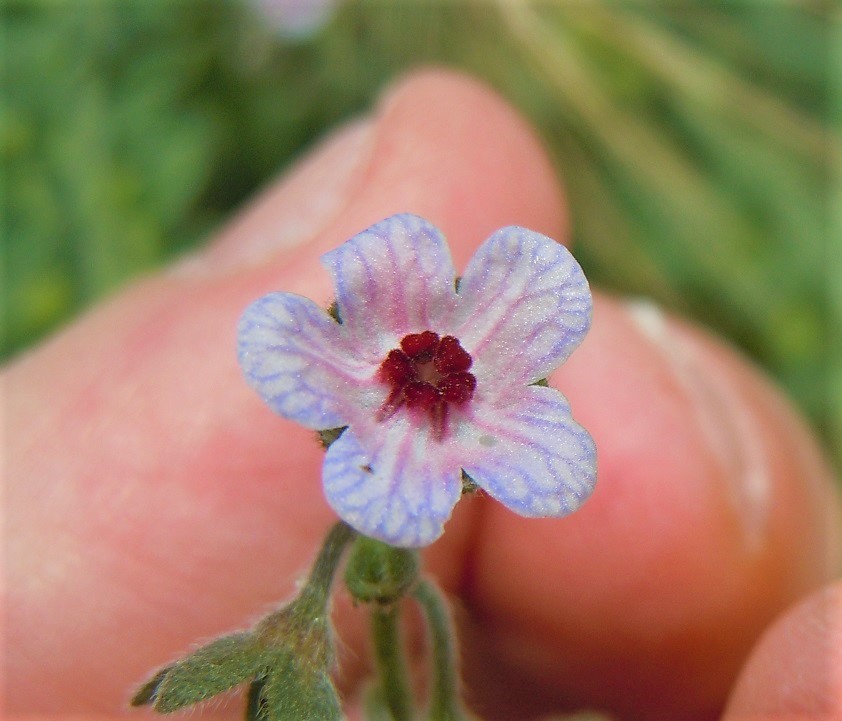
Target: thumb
pixel 795 670
pixel 153 500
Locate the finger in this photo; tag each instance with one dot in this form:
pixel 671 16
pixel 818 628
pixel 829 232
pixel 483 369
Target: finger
pixel 153 500
pixel 795 671
pixel 170 549
pixel 713 511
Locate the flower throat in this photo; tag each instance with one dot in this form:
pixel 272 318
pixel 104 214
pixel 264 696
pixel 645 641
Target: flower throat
pixel 427 375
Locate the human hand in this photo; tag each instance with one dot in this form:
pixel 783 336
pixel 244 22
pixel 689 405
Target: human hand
pixel 154 501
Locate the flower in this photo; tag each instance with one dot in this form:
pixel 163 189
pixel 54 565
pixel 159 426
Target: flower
pixel 432 376
pixel 296 19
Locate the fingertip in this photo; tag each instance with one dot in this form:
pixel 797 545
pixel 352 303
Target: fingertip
pixel 455 132
pixel 710 514
pixel 795 670
pixel 439 144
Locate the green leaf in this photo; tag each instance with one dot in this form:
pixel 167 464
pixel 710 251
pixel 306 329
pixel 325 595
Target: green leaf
pixel 214 668
pixel 147 693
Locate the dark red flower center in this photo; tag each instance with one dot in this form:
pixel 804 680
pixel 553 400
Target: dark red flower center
pixel 427 374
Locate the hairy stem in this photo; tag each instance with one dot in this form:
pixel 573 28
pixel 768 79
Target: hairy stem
pixel 444 697
pixel 314 596
pixel 390 661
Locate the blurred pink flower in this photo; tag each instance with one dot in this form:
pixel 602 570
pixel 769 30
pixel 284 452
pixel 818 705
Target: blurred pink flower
pixel 296 18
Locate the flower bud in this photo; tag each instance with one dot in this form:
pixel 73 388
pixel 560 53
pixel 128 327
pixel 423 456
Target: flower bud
pixel 379 572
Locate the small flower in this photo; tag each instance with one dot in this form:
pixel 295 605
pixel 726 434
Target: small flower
pixel 432 376
pixel 296 19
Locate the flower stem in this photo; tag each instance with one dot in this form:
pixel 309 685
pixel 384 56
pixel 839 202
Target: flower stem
pixel 444 698
pixel 390 661
pixel 314 596
pixel 306 617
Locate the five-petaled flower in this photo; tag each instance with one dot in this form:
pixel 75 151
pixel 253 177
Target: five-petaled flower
pixel 431 376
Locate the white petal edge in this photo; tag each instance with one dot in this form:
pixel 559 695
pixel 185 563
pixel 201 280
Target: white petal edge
pixel 396 491
pixel 394 278
pixel 532 457
pixel 300 361
pixel 524 306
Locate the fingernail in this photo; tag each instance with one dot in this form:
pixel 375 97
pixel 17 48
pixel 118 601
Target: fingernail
pixel 725 422
pixel 292 211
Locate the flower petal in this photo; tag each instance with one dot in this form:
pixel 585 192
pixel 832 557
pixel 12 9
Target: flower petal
pixel 524 306
pixel 301 361
pixel 395 278
pixel 396 490
pixel 532 457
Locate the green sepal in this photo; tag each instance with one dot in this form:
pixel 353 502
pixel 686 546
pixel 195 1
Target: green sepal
pixel 297 630
pixel 333 312
pixel 543 382
pixel 212 669
pixel 329 435
pixel 298 652
pixel 293 692
pixel 469 485
pixel 379 572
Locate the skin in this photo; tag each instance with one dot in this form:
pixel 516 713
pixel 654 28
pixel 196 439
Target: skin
pixel 153 501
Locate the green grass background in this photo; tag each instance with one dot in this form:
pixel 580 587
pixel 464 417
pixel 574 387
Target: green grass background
pixel 699 142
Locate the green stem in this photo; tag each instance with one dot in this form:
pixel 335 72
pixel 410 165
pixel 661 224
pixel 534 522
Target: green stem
pixel 314 596
pixel 306 616
pixel 390 662
pixel 444 698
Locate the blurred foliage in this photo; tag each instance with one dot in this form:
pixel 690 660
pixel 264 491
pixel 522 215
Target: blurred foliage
pixel 694 139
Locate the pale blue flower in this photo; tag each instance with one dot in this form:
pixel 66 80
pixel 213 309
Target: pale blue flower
pixel 432 379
